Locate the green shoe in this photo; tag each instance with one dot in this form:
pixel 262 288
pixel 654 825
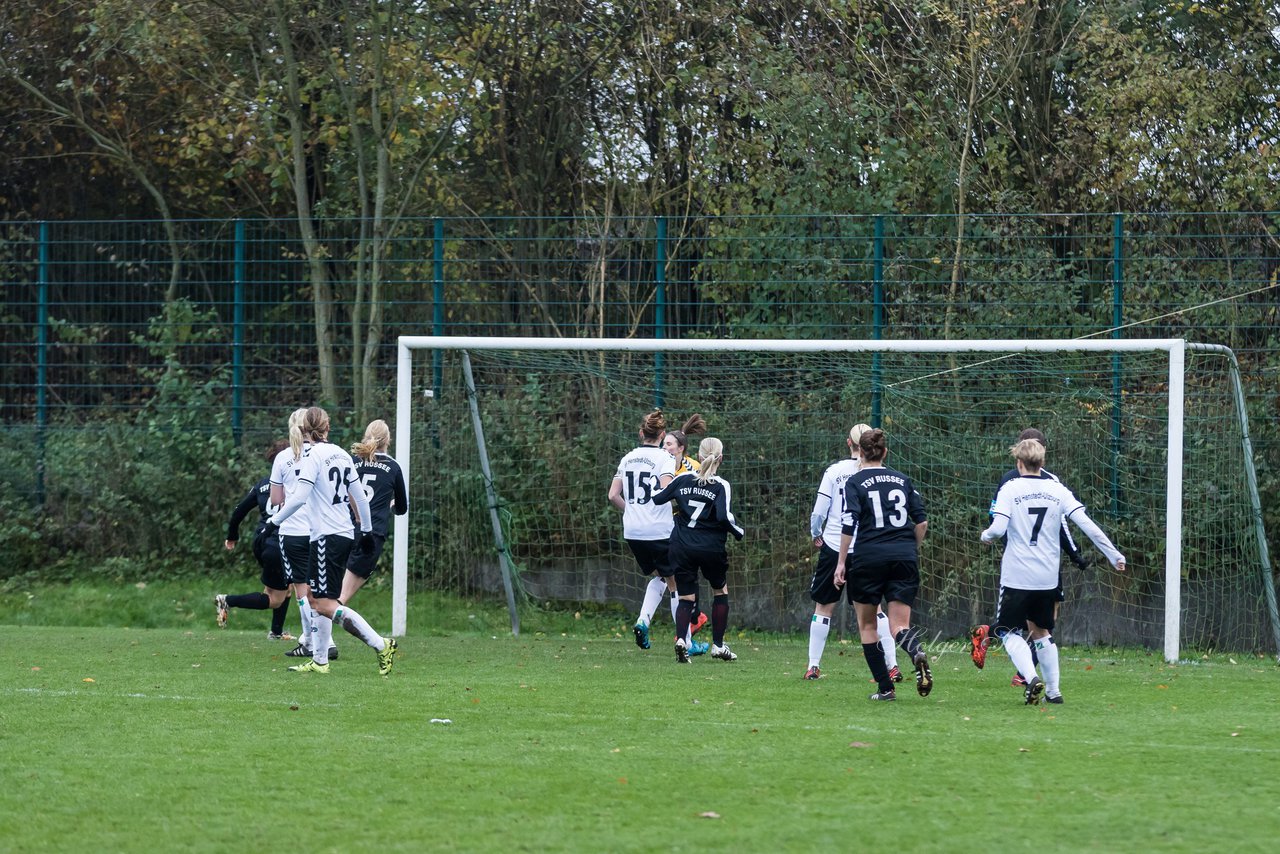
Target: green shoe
pixel 310 667
pixel 386 657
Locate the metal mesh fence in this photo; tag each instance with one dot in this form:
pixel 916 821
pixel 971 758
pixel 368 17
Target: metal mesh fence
pixel 220 320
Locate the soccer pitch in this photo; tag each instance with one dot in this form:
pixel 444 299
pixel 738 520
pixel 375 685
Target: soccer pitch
pixel 168 739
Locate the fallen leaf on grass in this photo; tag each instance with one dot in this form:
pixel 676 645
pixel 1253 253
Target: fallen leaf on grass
pixel 708 815
pixel 1024 750
pixel 89 679
pixel 860 744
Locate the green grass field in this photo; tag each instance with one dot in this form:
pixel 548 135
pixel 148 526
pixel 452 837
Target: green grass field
pixel 194 738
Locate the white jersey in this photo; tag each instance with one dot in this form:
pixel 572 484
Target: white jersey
pixel 829 505
pixel 284 473
pixel 1034 509
pixel 640 472
pixel 330 470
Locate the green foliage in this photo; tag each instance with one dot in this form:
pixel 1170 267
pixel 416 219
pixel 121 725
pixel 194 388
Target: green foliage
pixel 134 496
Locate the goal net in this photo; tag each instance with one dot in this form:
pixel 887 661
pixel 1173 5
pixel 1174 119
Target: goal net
pixel 511 445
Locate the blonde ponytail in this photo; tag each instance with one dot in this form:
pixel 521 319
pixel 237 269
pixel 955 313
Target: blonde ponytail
pixel 295 432
pixel 377 437
pixel 710 453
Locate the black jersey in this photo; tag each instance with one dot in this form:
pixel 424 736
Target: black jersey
pixel 882 509
pixel 1065 540
pixel 259 496
pixel 703 517
pixel 383 481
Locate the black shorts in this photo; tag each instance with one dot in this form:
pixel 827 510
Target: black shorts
pixel 328 565
pixel 652 556
pixel 891 580
pixel 295 552
pixel 363 563
pixel 822 587
pixel 267 552
pixel 1018 606
pixel 712 563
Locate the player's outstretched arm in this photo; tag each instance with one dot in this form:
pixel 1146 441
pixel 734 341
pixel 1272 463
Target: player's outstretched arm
pixel 1093 532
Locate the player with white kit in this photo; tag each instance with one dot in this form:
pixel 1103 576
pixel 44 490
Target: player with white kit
pixel 646 527
pixel 325 487
pixel 295 533
pixel 825 528
pixel 1030 511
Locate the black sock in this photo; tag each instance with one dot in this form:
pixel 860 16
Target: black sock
pixel 909 640
pixel 252 601
pixel 277 617
pixel 684 615
pixel 719 617
pixel 874 654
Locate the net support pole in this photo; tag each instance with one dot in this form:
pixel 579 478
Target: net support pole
pixel 42 357
pixel 404 446
pixel 1173 504
pixel 504 558
pixel 1251 478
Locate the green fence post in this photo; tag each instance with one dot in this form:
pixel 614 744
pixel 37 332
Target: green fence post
pixel 437 301
pixel 237 336
pixel 1117 319
pixel 42 355
pixel 660 307
pixel 877 315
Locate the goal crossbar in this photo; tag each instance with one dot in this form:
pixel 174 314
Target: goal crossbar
pixel 1175 348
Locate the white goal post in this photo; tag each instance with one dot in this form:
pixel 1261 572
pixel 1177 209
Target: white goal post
pixel 1175 350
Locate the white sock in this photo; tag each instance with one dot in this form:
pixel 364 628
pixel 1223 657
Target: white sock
pixel 819 628
pixel 1020 655
pixel 358 626
pixel 304 616
pixel 1047 651
pixel 886 641
pixel 321 638
pixel 652 596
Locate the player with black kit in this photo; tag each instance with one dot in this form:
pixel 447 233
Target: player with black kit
pixel 266 550
pixel 703 521
pixel 884 522
pixel 383 482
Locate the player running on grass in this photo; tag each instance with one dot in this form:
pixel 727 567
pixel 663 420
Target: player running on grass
pixel 1030 510
pixel 704 519
pixel 324 486
pixel 295 535
pixel 676 444
pixel 266 550
pixel 645 526
pixel 825 529
pixel 382 480
pixel 980 635
pixel 884 522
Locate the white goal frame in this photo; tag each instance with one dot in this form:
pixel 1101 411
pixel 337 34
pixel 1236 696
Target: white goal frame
pixel 1176 349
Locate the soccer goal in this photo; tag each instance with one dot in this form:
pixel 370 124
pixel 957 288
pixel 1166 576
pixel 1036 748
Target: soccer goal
pixel 511 443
